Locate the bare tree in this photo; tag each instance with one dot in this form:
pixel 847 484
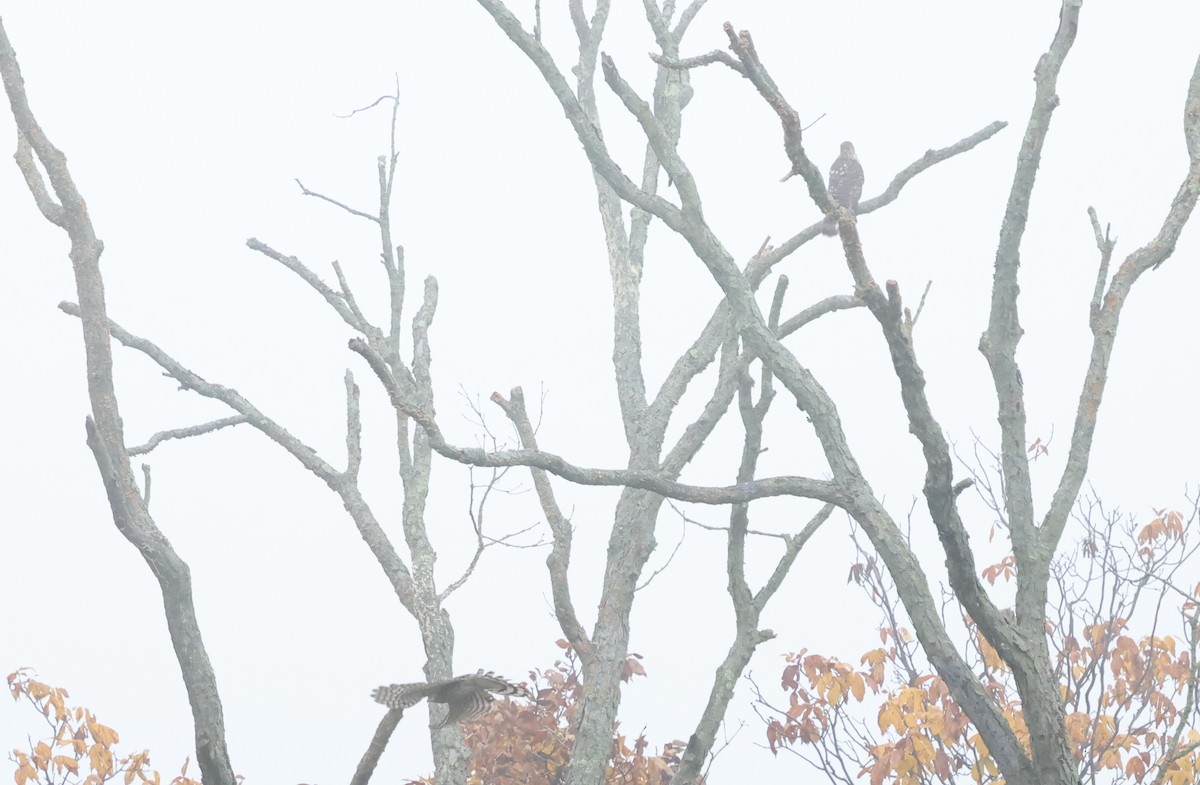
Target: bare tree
pixel 738 337
pixel 412 579
pixel 67 209
pixel 1022 642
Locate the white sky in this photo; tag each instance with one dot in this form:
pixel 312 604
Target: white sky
pixel 185 130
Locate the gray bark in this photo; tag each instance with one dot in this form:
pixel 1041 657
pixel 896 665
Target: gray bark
pixel 1022 645
pixel 105 433
pixel 413 583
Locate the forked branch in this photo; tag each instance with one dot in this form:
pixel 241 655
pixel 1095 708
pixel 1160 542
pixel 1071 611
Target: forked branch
pixel 105 431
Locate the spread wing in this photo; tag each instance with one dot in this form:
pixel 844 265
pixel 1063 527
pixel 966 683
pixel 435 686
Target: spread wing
pixel 466 697
pixel 465 701
pixel 492 683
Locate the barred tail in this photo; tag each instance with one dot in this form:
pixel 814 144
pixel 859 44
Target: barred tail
pixel 399 696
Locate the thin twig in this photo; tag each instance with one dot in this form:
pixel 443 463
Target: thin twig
pixel 347 294
pixel 306 192
pixel 920 305
pixel 371 105
pixel 709 527
pixel 667 563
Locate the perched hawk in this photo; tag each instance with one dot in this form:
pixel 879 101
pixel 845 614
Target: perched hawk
pixel 466 697
pixel 845 185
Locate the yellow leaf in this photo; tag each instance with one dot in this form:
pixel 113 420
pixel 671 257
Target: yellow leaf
pixel 858 686
pixel 888 716
pixel 103 734
pixel 60 708
pixel 67 762
pixel 923 750
pixel 101 760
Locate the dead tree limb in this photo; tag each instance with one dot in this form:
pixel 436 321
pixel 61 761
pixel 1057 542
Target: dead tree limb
pixel 105 435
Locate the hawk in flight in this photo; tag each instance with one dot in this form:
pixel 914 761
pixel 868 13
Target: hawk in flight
pixel 466 697
pixel 845 185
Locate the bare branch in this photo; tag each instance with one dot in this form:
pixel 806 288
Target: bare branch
pixel 794 543
pixel 781 286
pixel 422 320
pixel 920 306
pixel 361 109
pixel 1105 244
pixel 391 255
pixel 353 429
pixel 577 18
pixel 633 478
pixel 812 399
pixel 709 527
pixel 667 563
pixel 940 489
pixel 743 46
pixel 133 520
pixel 105 432
pixel 1104 322
pixel 759 265
pixel 715 56
pixel 685 18
pixel 559 559
pixel 747 605
pixel 999 343
pixel 416 589
pixel 930 158
pixel 659 21
pixel 712 756
pixel 666 152
pixel 185 432
pixel 348 295
pixel 336 301
pixel 50 209
pixel 358 508
pixel 476 512
pixel 838 302
pixel 190 380
pixel 335 202
pixel 480 545
pixel 379 740
pixel 394 264
pixel 703 350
